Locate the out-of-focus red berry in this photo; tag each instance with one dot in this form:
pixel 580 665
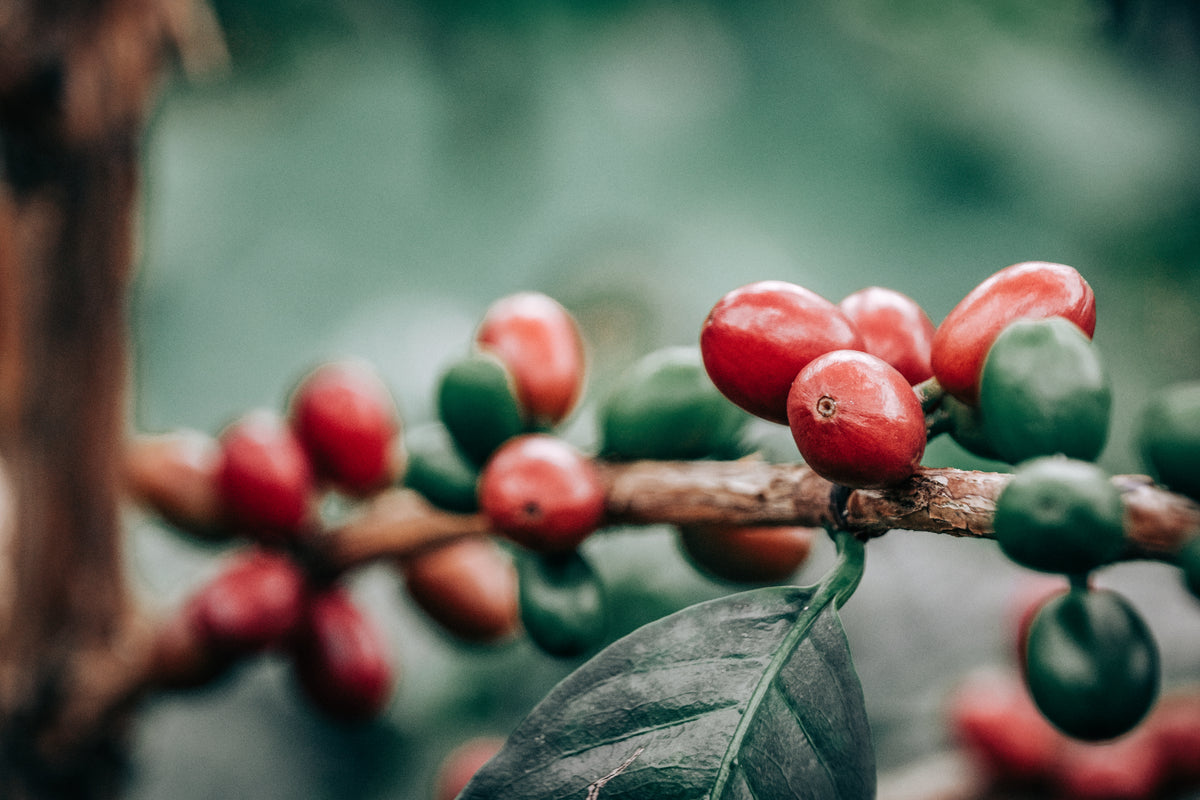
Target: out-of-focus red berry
pixel 540 343
pixel 542 493
pixel 255 603
pixel 1030 290
pixel 856 420
pixel 346 420
pixel 747 554
pixel 468 587
pixel 462 763
pixel 893 327
pixel 756 338
pixel 1129 768
pixel 341 658
pixel 265 481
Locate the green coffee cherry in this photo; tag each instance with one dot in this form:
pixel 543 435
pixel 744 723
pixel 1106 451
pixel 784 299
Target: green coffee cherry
pixel 1091 664
pixel 563 603
pixel 1170 438
pixel 477 403
pixel 666 407
pixel 1043 391
pixel 1060 515
pixel 966 428
pixel 439 471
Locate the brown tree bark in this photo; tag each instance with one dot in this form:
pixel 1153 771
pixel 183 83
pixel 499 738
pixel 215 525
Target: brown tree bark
pixel 76 81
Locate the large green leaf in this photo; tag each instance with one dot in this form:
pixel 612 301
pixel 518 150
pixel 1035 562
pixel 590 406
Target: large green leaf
pixel 749 697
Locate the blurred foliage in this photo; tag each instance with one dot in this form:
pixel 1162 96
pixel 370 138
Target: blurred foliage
pixel 374 172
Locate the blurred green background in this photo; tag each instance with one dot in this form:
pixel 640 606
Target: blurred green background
pixel 372 173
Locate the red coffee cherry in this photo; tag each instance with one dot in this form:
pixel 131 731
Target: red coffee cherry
pixel 1031 290
pixel 468 587
pixel 894 328
pixel 542 493
pixel 264 481
pixel 1129 768
pixel 856 420
pixel 540 342
pixel 992 716
pixel 347 422
pixel 757 338
pixel 255 603
pixel 750 554
pixel 341 658
pixel 462 763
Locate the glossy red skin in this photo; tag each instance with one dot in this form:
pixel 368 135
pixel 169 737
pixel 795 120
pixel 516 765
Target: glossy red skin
pixel 468 587
pixel 856 420
pixel 540 343
pixel 758 337
pixel 254 604
pixel 462 763
pixel 341 658
pixel 750 554
pixel 346 420
pixel 542 493
pixel 1029 290
pixel 895 328
pixel 264 481
pixel 992 715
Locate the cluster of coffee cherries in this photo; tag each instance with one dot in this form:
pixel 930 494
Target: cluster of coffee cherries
pixel 495 450
pixel 1011 374
pixel 1015 750
pixel 265 479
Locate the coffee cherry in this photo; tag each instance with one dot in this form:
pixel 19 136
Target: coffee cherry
pixel 1044 391
pixel 542 493
pixel 462 763
pixel 992 716
pixel 758 337
pixel 894 328
pixel 264 481
pixel 541 344
pixel 1130 768
pixel 665 407
pixel 346 420
pixel 477 403
pixel 1170 438
pixel 255 603
pixel 439 471
pixel 967 429
pixel 856 420
pixel 341 659
pixel 747 554
pixel 563 603
pixel 1060 515
pixel 468 587
pixel 1091 664
pixel 1033 290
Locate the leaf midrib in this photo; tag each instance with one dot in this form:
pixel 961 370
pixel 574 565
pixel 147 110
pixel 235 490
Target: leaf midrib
pixel 787 646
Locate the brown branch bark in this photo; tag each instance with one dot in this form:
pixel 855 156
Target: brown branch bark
pixel 76 81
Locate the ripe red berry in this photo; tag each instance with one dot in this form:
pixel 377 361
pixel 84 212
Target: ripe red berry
pixel 1129 768
pixel 992 716
pixel 462 763
pixel 757 338
pixel 1031 290
pixel 341 658
pixel 541 345
pixel 468 587
pixel 856 420
pixel 253 604
pixel 750 554
pixel 264 481
pixel 542 493
pixel 346 420
pixel 894 327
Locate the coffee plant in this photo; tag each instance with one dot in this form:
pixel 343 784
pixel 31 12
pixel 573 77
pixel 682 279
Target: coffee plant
pixel 483 513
